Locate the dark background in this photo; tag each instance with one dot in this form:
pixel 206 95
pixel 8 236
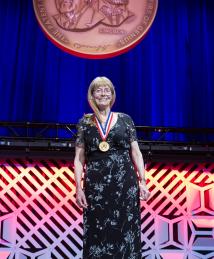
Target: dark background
pixel 167 80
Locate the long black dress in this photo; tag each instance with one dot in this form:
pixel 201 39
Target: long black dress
pixel 112 219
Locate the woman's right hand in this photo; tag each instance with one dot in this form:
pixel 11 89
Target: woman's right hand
pixel 80 198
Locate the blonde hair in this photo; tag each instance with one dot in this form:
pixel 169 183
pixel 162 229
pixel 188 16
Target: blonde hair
pixel 96 83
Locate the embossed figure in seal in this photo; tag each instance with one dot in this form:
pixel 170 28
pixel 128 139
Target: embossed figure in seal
pixel 78 15
pixel 115 11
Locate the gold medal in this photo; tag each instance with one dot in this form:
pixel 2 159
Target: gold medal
pixel 104 146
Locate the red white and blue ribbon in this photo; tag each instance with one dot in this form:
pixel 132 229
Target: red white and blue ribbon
pixel 104 131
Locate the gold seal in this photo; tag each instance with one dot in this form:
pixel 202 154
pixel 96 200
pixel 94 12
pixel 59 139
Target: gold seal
pixel 95 28
pixel 104 146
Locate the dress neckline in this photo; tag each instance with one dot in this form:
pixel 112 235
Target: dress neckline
pixel 116 122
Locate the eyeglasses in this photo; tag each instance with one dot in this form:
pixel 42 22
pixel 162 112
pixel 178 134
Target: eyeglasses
pixel 100 91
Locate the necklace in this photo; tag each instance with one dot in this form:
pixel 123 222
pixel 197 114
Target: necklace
pixel 104 131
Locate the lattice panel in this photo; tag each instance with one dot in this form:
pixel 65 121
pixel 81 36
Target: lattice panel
pixel 39 218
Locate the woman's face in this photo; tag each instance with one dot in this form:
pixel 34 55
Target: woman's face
pixel 102 96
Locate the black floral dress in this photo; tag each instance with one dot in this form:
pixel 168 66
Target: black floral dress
pixel 112 219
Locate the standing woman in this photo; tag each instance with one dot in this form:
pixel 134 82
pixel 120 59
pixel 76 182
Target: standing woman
pixel 114 180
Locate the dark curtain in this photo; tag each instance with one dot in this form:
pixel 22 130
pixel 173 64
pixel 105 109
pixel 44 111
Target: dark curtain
pixel 167 80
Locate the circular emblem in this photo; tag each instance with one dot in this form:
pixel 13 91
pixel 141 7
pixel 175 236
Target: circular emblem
pixel 104 146
pixel 95 28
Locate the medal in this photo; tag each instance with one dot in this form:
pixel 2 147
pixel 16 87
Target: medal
pixel 104 145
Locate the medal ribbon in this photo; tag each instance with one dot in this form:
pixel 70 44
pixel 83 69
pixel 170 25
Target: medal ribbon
pixel 104 131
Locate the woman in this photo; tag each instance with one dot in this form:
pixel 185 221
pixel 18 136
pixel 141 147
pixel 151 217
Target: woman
pixel 107 145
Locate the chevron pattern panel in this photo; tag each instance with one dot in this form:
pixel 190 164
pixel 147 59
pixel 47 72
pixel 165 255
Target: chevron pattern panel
pixel 40 220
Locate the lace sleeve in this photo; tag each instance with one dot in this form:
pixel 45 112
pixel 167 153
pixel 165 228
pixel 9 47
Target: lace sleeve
pixel 131 130
pixel 80 142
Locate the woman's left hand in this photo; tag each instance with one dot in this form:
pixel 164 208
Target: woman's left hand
pixel 144 192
